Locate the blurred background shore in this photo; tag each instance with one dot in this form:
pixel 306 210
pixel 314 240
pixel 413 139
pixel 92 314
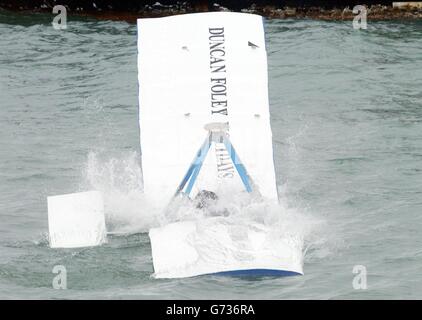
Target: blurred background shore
pixel 315 9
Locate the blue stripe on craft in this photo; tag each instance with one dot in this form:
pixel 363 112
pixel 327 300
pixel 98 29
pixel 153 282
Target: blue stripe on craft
pixel 259 272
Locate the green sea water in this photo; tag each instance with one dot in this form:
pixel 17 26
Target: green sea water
pixel 346 115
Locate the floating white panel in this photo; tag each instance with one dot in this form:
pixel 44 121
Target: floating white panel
pixel 76 220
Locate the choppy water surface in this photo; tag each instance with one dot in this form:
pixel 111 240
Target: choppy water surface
pixel 347 129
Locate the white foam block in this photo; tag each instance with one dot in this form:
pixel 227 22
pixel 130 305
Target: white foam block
pixel 175 101
pixel 191 248
pixel 76 220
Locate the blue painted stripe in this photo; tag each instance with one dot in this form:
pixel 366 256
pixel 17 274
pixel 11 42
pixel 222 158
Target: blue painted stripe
pixel 202 154
pixel 193 178
pixel 185 179
pixel 259 273
pixel 195 166
pixel 238 164
pixel 244 176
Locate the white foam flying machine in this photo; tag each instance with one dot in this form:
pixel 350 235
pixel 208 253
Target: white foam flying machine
pixel 204 126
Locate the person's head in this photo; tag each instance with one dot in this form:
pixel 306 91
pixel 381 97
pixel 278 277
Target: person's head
pixel 205 198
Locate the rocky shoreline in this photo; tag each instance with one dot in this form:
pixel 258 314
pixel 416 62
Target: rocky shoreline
pixel 375 12
pixel 131 13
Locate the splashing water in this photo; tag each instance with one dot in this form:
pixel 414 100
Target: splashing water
pixel 120 181
pixel 128 211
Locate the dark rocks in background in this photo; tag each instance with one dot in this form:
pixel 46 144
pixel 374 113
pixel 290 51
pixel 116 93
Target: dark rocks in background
pixel 100 5
pixel 375 12
pixel 130 10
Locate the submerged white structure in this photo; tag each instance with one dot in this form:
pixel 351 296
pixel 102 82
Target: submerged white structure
pixel 205 125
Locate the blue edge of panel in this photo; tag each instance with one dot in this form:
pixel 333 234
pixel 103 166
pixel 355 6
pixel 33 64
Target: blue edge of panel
pixel 258 273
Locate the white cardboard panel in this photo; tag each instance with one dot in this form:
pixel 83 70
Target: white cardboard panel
pixel 175 99
pixel 191 248
pixel 76 220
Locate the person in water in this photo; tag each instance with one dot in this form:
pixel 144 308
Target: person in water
pixel 207 201
pixel 204 199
